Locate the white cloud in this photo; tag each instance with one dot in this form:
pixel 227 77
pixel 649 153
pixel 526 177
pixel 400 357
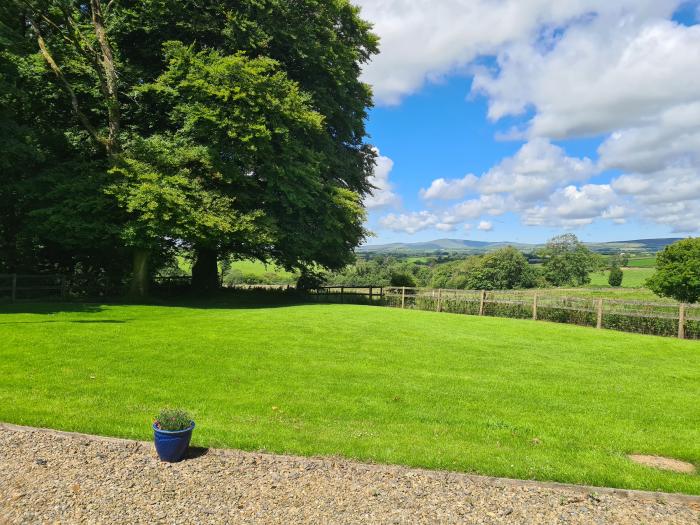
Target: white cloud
pixel 535 170
pixel 673 139
pixel 485 226
pixel 600 76
pixel 619 70
pixel 475 208
pixel 452 189
pixel 383 196
pixel 572 207
pixel 410 222
pixel 423 40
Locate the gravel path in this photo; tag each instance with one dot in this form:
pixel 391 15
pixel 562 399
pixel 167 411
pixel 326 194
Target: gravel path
pixel 53 477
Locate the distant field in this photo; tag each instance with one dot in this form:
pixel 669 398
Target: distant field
pixel 485 395
pixel 643 262
pixel 632 277
pixel 259 268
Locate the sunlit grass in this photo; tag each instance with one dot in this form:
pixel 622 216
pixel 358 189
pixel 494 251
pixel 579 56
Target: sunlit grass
pixel 493 396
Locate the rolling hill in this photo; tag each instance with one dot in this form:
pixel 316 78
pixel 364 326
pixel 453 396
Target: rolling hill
pixel 468 246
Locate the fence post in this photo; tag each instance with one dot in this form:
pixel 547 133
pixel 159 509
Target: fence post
pixel 342 294
pixel 681 321
pixel 481 303
pixel 381 295
pixel 534 307
pixel 439 301
pixel 403 297
pixel 371 297
pixel 14 287
pixel 599 322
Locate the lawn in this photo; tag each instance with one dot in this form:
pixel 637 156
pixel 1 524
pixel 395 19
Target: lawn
pixel 492 396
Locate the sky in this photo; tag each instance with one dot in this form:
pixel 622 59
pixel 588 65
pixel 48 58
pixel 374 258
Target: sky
pixel 521 119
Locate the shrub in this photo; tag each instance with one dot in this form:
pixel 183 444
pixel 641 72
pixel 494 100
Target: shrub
pixel 310 281
pixel 615 277
pixel 678 272
pixel 401 278
pixel 173 419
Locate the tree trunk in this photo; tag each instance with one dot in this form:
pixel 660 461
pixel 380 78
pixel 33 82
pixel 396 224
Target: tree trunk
pixel 205 272
pixel 140 276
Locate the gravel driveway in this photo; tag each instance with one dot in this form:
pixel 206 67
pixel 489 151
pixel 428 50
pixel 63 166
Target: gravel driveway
pixel 54 477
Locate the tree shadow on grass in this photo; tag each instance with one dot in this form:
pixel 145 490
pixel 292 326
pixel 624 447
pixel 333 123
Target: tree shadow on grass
pixel 222 300
pixel 49 307
pixel 81 321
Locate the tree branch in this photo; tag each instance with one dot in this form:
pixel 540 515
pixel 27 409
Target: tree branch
pixel 66 85
pixel 110 75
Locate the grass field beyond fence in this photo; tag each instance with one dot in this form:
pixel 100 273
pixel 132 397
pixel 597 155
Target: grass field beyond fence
pixel 586 307
pixel 486 395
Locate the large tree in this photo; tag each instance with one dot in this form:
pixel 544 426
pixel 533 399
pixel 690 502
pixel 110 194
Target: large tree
pixel 54 215
pixel 229 126
pixel 678 271
pixel 568 262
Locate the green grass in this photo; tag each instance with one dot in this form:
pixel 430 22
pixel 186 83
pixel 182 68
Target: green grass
pixel 643 262
pixel 491 396
pixel 632 277
pixel 259 268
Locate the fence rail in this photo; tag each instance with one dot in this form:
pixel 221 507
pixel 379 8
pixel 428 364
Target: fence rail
pixel 18 286
pixel 657 318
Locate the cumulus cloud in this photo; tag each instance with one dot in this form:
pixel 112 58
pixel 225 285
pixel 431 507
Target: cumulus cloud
pixel 572 207
pixel 410 222
pixel 383 196
pixel 423 40
pixel 442 189
pixel 598 77
pixel 622 71
pixel 485 226
pixel 534 171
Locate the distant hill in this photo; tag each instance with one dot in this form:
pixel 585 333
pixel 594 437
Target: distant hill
pixel 467 246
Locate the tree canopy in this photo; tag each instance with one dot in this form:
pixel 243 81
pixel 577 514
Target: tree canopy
pixel 678 272
pixel 229 127
pixel 568 262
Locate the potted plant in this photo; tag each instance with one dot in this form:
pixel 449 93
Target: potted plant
pixel 172 430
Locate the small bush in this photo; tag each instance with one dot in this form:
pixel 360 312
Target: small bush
pixel 402 278
pixel 615 277
pixel 173 419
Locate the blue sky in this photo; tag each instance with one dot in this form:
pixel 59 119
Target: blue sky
pixel 528 151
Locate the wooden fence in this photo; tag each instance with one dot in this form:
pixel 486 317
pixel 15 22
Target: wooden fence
pixel 16 286
pixel 657 318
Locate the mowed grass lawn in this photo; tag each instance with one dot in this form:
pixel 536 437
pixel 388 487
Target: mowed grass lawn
pixel 501 397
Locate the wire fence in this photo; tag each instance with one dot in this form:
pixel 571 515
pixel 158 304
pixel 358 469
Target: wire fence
pixel 656 318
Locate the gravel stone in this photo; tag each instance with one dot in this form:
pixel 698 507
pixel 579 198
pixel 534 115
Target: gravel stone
pixel 52 477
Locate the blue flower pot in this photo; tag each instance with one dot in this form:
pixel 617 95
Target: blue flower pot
pixel 172 445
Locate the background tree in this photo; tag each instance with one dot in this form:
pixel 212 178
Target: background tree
pixel 568 262
pixel 502 269
pixel 678 272
pixel 616 276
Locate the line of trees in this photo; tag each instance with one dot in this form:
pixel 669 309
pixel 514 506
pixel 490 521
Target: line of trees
pixel 135 130
pixel 565 262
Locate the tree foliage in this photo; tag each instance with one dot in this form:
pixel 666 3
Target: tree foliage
pixel 678 272
pixel 503 269
pixel 235 127
pixel 616 276
pixel 568 262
